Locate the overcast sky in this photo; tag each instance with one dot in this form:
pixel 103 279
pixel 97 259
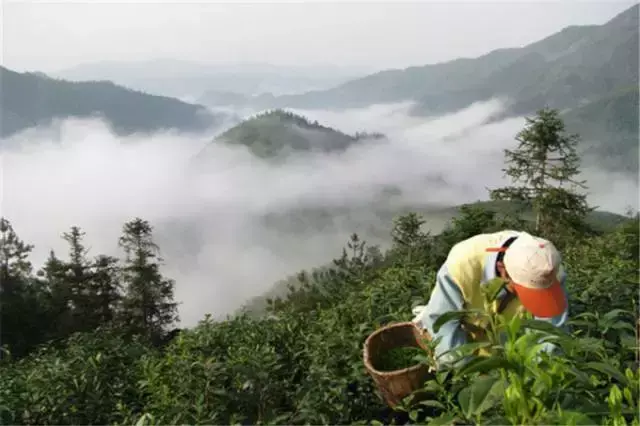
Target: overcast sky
pixel 49 36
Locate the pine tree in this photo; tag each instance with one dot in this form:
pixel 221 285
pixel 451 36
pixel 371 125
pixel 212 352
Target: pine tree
pixel 106 290
pixel 18 315
pixel 78 273
pixel 14 252
pixel 544 168
pixel 148 304
pixel 59 292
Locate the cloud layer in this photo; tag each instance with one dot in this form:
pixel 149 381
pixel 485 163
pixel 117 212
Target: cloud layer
pixel 215 222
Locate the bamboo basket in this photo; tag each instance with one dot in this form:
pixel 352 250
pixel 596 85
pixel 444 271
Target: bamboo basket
pixel 394 386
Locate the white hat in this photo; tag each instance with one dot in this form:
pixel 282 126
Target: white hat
pixel 532 262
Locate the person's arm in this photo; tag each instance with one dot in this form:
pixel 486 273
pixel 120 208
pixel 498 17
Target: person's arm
pixel 445 297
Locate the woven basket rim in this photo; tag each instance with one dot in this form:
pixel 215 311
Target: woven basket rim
pixel 367 358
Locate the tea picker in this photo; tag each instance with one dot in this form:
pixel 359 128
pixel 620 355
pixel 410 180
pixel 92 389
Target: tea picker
pixel 533 280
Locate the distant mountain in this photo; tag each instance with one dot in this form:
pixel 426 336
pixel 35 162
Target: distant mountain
pixel 182 79
pixel 31 99
pixel 581 69
pixel 609 128
pixel 577 64
pixel 276 133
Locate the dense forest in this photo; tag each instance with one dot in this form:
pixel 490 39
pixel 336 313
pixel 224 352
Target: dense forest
pixel 90 340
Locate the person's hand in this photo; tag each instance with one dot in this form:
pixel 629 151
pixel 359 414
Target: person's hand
pixel 417 312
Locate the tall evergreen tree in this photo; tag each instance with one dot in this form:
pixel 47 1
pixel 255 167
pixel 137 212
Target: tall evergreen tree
pixel 106 290
pixel 148 304
pixel 78 272
pixel 59 292
pixel 18 310
pixel 544 169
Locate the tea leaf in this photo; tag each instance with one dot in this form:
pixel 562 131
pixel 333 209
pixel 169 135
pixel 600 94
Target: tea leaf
pixel 483 394
pixel 443 420
pixel 575 418
pixel 485 365
pixel 452 316
pixel 607 370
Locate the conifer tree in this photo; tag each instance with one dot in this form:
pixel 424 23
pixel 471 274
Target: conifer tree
pixel 106 290
pixel 58 288
pixel 78 277
pixel 410 243
pixel 17 330
pixel 544 170
pixel 14 252
pixel 148 304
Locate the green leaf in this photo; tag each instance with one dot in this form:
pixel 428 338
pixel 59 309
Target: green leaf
pixel 466 349
pixel 432 403
pixel 608 370
pixel 492 288
pixel 615 314
pixel 449 316
pixel 484 365
pixel 575 418
pixel 445 419
pixel 464 400
pixel 482 395
pixel 623 326
pixel 582 377
pixel 144 420
pixel 544 326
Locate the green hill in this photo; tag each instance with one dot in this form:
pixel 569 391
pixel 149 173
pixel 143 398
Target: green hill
pixel 31 99
pixel 277 132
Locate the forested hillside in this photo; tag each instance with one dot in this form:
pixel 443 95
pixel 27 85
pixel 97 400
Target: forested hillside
pixel 89 340
pixel 30 99
pixel 611 126
pixel 277 132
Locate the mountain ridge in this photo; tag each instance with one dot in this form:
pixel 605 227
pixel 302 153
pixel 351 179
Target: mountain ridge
pixel 30 99
pixel 417 82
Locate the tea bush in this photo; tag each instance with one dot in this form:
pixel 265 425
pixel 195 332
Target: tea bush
pixel 301 362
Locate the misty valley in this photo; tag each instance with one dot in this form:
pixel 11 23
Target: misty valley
pixel 193 243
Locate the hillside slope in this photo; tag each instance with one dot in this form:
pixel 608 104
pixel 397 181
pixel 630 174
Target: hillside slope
pixel 276 133
pixel 609 128
pixel 29 99
pixel 576 64
pixel 379 230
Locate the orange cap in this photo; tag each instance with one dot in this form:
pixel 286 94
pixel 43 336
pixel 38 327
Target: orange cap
pixel 542 302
